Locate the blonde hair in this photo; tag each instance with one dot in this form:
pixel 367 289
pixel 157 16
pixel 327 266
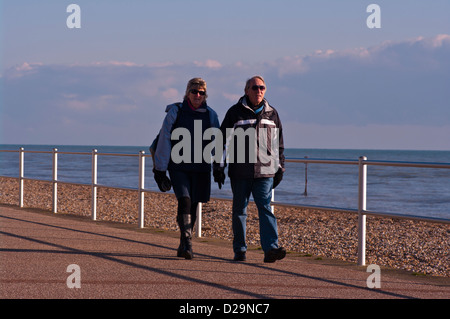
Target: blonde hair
pixel 195 83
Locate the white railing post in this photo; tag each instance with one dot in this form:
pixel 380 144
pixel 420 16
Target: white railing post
pixel 141 187
pixel 21 175
pixel 199 220
pixel 94 185
pixel 55 181
pixel 362 191
pixel 272 201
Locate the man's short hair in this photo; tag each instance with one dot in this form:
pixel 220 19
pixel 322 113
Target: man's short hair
pixel 247 84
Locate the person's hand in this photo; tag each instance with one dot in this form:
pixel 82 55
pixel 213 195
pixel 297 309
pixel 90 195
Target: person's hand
pixel 219 176
pixel 162 180
pixel 278 177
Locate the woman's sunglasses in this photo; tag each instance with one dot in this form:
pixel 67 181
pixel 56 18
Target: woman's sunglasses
pixel 195 92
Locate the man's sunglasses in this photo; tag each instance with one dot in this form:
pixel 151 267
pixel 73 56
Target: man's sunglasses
pixel 256 87
pixel 195 92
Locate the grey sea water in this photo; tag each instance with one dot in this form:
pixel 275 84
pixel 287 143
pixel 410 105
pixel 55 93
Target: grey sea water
pixel 413 191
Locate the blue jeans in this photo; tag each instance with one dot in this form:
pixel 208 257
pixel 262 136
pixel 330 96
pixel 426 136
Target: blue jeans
pixel 261 190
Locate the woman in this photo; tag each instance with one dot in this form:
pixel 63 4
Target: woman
pixel 191 179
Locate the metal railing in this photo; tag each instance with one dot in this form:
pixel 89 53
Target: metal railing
pixel 362 212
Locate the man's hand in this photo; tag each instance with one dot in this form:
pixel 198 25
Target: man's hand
pixel 278 177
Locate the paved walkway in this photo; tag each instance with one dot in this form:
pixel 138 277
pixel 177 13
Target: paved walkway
pixel 122 261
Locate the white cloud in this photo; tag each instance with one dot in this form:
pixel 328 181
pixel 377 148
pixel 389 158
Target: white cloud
pixel 124 63
pixel 24 67
pixel 434 42
pixel 21 70
pixel 395 83
pixel 231 97
pixel 211 64
pixel 376 136
pixel 170 94
pixel 391 85
pixel 290 65
pixel 77 105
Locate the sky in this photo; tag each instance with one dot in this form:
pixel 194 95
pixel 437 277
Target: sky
pixel 335 82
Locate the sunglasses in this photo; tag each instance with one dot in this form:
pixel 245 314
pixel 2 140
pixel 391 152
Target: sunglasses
pixel 256 87
pixel 195 92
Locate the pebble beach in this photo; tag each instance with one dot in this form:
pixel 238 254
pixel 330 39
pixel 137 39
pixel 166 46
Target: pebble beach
pixel 416 246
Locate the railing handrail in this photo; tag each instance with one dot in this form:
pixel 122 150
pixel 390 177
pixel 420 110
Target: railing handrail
pixel 291 160
pixel 369 162
pixel 362 162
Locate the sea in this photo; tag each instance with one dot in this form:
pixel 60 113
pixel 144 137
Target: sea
pixel 399 190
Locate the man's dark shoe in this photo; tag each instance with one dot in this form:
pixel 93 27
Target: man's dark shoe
pixel 240 256
pixel 274 254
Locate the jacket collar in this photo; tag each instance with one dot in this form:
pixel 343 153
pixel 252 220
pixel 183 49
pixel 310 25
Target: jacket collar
pixel 264 108
pixel 202 108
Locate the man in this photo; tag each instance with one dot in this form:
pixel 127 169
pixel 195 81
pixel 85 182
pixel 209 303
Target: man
pixel 254 169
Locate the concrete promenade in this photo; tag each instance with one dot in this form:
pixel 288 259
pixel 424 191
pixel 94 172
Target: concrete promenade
pixel 122 261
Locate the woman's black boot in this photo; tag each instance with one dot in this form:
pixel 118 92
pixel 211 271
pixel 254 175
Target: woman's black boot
pixel 185 248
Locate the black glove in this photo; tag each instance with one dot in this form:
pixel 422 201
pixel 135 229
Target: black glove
pixel 162 180
pixel 278 177
pixel 219 176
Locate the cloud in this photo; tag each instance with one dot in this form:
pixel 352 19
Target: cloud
pixel 393 84
pixel 171 94
pixel 372 136
pixel 212 64
pixel 231 97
